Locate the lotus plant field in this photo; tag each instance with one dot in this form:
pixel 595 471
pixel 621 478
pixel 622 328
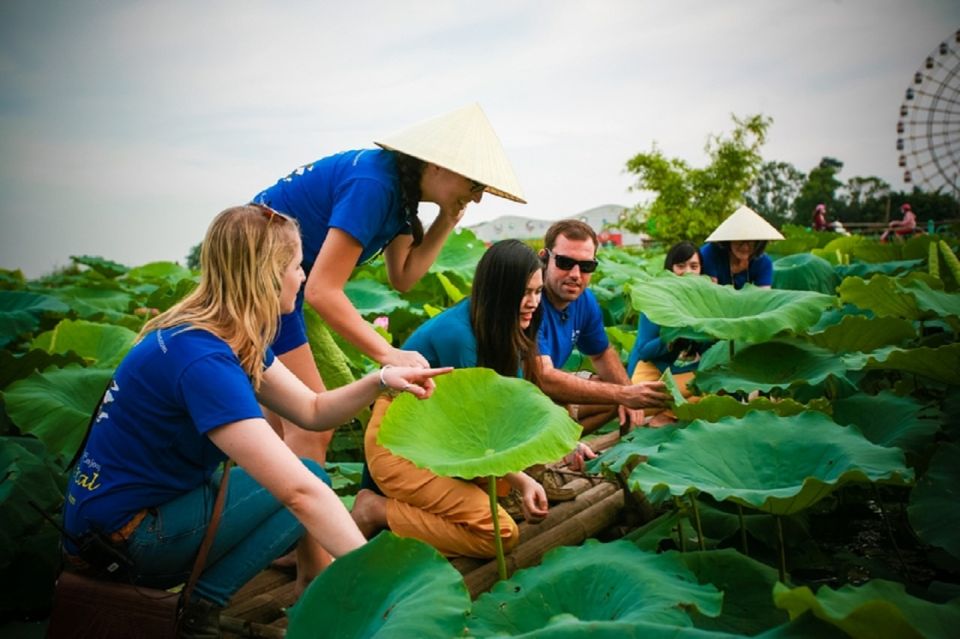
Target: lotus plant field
pixel 813 490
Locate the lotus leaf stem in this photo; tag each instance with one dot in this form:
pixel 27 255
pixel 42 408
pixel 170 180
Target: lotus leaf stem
pixel 680 537
pixel 696 519
pixel 732 350
pixel 498 542
pixel 743 530
pixel 893 540
pixel 783 552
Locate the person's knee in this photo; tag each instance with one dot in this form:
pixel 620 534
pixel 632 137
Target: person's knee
pixel 314 467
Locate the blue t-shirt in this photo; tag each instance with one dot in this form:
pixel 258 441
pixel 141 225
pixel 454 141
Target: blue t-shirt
pixel 446 339
pixel 716 263
pixel 357 192
pixel 649 347
pixel 149 443
pixel 580 324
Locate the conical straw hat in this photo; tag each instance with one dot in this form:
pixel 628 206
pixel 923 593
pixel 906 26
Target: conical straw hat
pixel 463 142
pixel 744 224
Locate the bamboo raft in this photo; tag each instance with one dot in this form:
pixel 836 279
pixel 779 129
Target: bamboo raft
pixel 257 610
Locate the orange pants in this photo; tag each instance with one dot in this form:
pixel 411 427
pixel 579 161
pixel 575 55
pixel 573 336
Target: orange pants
pixel 647 372
pixel 452 515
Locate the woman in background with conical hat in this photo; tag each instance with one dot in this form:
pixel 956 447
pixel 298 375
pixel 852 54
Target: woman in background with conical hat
pixel 734 252
pixel 353 205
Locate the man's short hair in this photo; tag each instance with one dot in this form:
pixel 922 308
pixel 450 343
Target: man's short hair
pixel 572 230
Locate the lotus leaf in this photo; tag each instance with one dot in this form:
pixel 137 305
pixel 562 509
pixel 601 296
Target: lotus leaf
pixel 390 587
pixel 793 245
pixel 460 254
pixel 638 443
pixel 20 312
pixel 478 423
pixel 565 627
pixel 721 521
pixel 14 367
pixel 649 536
pixel 104 267
pixel 780 465
pixel 676 397
pixel 165 296
pixel 860 333
pixel 623 339
pixel 805 272
pixel 695 306
pixel 887 419
pixel 941 364
pixel 908 297
pixel 615 582
pixel 333 365
pixel 865 270
pixel 941 305
pixel 166 272
pixel 370 297
pixel 454 293
pixel 56 405
pixel 777 364
pixel 934 509
pixel 101 345
pixel 877 610
pixel 713 408
pixel 746 585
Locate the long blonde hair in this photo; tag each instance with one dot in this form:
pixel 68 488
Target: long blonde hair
pixel 242 260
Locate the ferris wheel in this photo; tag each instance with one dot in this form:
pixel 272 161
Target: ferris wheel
pixel 928 131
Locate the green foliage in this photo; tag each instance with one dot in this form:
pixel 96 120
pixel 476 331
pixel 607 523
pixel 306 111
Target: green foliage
pixel 933 504
pixel 820 188
pixel 774 190
pixel 805 272
pixel 691 202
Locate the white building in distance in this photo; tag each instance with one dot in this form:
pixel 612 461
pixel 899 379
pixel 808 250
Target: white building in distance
pixel 603 219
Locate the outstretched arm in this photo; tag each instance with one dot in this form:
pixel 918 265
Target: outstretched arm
pixel 565 388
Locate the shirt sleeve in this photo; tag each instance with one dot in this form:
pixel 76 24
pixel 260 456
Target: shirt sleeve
pixel 362 208
pixel 216 391
pixel 593 338
pixel 648 346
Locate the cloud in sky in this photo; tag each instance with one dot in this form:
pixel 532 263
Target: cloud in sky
pixel 125 126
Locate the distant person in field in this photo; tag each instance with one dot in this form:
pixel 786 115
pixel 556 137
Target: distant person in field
pixel 820 218
pixel 496 327
pixel 650 355
pixel 734 252
pixel 903 227
pixel 572 319
pixel 354 205
pixel 188 396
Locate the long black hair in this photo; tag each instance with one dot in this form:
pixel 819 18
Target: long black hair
pixel 498 288
pixel 409 172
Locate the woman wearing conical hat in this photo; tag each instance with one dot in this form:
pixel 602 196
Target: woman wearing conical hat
pixel 734 252
pixel 354 205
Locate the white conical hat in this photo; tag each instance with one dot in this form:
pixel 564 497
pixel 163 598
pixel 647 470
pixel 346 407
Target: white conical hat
pixel 744 224
pixel 463 142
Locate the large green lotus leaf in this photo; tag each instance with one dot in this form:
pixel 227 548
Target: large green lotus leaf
pixel 834 316
pixel 594 582
pixel 108 301
pixel 777 364
pixel 638 443
pixel 166 272
pixel 649 536
pixel 17 366
pixel 887 419
pixel 793 245
pixel 746 585
pixel 908 297
pixel 56 405
pixel 370 297
pixel 876 253
pixel 673 390
pixel 166 295
pixel 333 365
pixel 721 521
pixel 934 509
pixel 941 364
pixel 866 270
pixel 105 267
pixel 460 254
pixel 389 587
pixel 567 627
pixel 454 293
pixel 20 313
pixel 713 408
pixel 945 306
pixel 879 609
pixel 780 465
pixel 805 272
pixel 101 345
pixel 698 307
pixel 478 423
pixel 861 333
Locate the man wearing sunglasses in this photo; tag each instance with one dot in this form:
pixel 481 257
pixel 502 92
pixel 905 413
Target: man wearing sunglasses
pixel 572 318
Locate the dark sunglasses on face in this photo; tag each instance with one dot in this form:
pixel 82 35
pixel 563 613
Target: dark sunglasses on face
pixel 477 187
pixel 565 263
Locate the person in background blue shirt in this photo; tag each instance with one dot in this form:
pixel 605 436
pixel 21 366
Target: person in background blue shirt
pixel 734 252
pixel 185 398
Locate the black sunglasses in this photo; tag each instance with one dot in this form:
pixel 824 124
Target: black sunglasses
pixel 477 187
pixel 565 263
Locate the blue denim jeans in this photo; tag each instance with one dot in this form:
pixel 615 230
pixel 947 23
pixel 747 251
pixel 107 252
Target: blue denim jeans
pixel 254 530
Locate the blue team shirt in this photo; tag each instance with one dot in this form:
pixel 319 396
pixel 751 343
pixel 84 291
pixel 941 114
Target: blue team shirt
pixel 357 192
pixel 580 325
pixel 649 347
pixel 446 339
pixel 716 263
pixel 149 443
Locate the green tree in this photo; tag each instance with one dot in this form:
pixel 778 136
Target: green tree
pixel 866 200
pixel 820 188
pixel 691 202
pixel 193 258
pixel 773 191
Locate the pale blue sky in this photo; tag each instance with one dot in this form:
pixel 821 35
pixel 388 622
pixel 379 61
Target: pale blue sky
pixel 125 126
